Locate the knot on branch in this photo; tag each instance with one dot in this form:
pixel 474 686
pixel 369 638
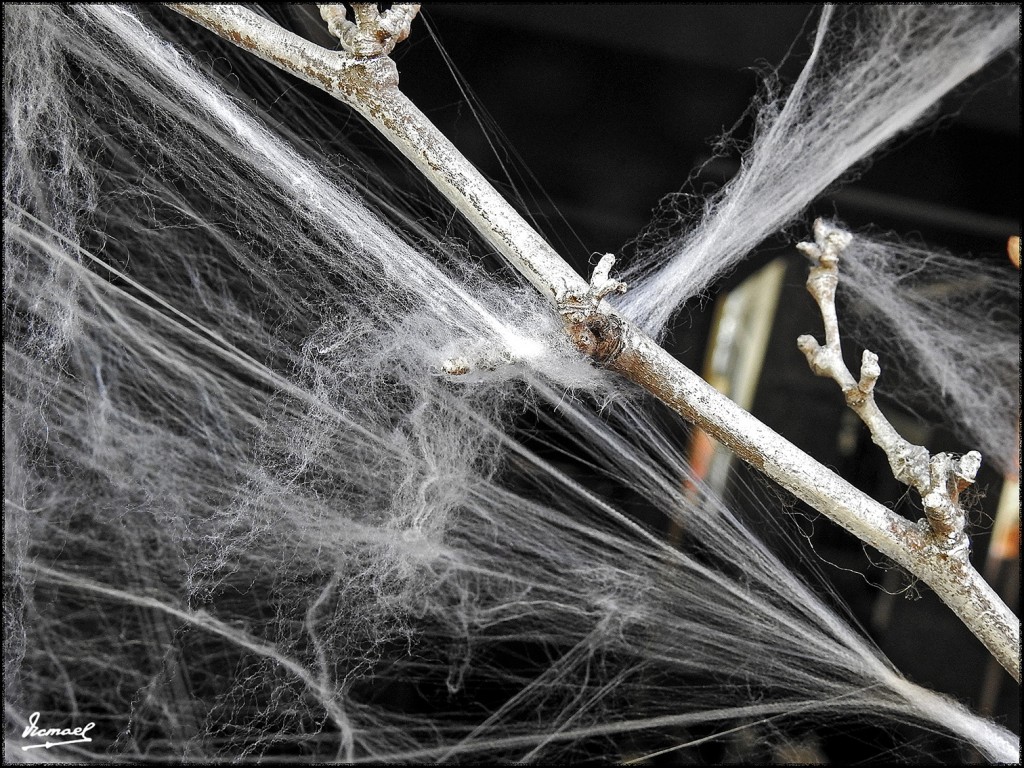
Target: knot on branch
pixel 827 360
pixel 949 476
pixel 595 332
pixel 829 242
pixel 372 33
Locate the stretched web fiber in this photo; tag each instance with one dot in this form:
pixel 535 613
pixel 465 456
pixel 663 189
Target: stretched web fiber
pixel 948 330
pixel 873 72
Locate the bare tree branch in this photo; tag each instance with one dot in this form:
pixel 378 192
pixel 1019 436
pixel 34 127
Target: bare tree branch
pixel 370 86
pixel 938 479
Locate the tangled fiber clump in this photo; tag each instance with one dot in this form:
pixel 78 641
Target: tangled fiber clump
pixel 248 515
pixel 872 74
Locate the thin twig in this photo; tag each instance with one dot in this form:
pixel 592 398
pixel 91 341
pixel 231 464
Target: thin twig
pixel 938 479
pixel 370 86
pixel 372 32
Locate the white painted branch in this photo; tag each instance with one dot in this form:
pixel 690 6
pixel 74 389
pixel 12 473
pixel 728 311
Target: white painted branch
pixel 938 479
pixel 372 32
pixel 370 86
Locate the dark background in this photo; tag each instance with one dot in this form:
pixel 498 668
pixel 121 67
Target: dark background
pixel 611 108
pixel 599 111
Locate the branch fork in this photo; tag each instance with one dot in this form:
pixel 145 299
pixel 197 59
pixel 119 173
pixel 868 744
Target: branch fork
pixel 372 33
pixel 592 325
pixel 938 479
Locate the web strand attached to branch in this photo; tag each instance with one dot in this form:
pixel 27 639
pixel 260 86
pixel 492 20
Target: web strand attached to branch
pixel 249 514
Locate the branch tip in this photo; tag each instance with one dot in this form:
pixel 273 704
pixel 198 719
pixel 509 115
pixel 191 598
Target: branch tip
pixel 807 344
pixel 829 242
pixel 968 465
pixel 372 33
pixel 870 370
pixel 601 283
